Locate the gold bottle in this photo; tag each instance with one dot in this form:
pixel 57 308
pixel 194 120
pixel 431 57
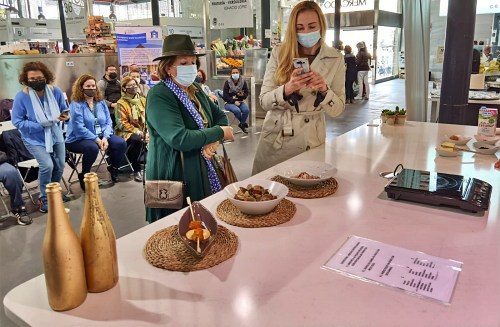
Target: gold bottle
pixel 98 240
pixel 62 256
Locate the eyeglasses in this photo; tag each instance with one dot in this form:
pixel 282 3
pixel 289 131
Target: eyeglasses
pixel 36 80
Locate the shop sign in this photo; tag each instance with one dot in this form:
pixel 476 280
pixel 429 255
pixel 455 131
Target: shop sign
pixel 138 45
pixel 192 31
pixel 328 6
pixel 482 7
pixel 75 15
pixel 231 14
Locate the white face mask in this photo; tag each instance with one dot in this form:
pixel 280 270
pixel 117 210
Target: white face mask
pixel 308 40
pixel 186 74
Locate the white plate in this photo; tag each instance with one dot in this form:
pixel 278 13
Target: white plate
pixel 292 169
pixel 486 148
pixel 260 207
pixel 487 139
pixel 462 140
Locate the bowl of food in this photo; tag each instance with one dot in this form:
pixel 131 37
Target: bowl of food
pixel 256 196
pixel 457 139
pixel 447 152
pixel 306 173
pixel 485 148
pixel 487 139
pixel 197 229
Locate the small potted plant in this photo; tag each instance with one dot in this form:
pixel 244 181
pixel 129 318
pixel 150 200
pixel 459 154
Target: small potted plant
pixel 390 117
pixel 383 115
pixel 401 117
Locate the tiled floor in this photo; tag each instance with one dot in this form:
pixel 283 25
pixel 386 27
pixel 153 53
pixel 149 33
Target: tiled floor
pixel 20 246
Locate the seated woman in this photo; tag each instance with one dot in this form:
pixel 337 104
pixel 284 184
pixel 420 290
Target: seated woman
pixel 131 123
pixel 90 128
pixel 201 78
pixel 235 91
pixel 143 87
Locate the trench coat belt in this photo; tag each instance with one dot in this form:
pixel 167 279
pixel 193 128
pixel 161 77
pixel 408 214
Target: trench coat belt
pixel 287 129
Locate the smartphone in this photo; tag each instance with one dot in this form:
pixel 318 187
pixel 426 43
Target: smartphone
pixel 301 63
pixel 64 113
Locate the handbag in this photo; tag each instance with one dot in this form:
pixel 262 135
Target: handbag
pixel 224 168
pixel 165 193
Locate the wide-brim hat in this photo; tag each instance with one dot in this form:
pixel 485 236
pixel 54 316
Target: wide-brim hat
pixel 178 45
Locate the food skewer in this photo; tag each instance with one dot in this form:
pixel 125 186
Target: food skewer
pixel 198 248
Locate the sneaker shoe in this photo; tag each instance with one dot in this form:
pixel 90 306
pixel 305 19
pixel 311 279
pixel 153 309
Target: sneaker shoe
pixel 243 128
pixel 138 177
pixel 44 205
pixel 65 198
pixel 114 174
pixel 358 98
pixel 22 216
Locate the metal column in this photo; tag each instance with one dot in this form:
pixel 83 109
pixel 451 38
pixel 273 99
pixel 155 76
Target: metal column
pixel 265 9
pixel 155 12
pixel 457 61
pixel 64 33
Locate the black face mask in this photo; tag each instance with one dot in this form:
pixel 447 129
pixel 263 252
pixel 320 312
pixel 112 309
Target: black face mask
pixel 113 75
pixel 131 90
pixel 38 85
pixel 90 92
pixel 198 79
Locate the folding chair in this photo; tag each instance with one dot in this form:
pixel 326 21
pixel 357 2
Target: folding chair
pixel 29 165
pixel 7 211
pixel 73 159
pixel 105 157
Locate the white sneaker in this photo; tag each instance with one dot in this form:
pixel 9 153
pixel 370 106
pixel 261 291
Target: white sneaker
pixel 358 98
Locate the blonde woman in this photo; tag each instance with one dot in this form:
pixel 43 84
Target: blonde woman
pixel 295 101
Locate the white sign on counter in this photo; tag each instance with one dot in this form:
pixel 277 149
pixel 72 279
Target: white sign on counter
pixel 231 14
pixel 411 271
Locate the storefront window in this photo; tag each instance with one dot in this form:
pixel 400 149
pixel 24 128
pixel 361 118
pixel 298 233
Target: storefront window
pixel 390 6
pixel 387 50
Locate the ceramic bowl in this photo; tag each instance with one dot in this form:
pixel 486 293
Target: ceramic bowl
pixel 485 148
pixel 259 207
pixel 200 213
pixel 462 140
pixel 447 152
pixel 291 170
pixel 487 139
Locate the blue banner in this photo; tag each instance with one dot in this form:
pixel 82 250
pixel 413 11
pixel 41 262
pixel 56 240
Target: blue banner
pixel 131 38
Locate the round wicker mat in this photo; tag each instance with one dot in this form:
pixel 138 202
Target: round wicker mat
pixel 283 212
pixel 325 188
pixel 166 250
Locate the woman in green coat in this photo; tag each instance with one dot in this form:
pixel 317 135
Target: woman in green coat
pixel 181 118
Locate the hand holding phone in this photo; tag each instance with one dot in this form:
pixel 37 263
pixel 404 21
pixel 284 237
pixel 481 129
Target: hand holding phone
pixel 301 63
pixel 64 115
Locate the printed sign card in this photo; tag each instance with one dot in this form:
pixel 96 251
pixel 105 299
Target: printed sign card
pixel 411 271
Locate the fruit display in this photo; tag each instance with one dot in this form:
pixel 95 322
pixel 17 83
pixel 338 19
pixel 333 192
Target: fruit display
pixel 494 67
pixel 231 62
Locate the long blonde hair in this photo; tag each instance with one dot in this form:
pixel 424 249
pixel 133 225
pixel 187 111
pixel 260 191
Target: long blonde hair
pixel 290 49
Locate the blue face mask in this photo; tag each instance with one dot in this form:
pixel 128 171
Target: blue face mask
pixel 308 40
pixel 186 74
pixel 235 76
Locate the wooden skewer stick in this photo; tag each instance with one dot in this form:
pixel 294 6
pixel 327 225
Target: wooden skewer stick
pixel 198 248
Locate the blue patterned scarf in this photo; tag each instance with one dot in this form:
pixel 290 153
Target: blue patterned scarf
pixel 184 99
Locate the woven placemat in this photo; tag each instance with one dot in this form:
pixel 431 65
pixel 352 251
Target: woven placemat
pixel 283 212
pixel 325 188
pixel 166 250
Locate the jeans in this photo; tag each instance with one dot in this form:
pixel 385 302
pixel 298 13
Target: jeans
pixel 134 151
pixel 241 113
pixel 90 150
pixel 363 79
pixel 10 178
pixel 50 165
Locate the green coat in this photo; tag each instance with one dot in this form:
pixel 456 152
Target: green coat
pixel 172 129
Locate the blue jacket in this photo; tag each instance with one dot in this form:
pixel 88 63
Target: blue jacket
pixel 81 126
pixel 24 118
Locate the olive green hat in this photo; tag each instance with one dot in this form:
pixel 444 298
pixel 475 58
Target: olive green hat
pixel 178 45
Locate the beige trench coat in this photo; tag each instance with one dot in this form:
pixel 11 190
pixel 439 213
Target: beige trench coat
pixel 286 133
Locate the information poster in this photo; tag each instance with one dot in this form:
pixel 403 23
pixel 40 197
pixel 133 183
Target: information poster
pixel 139 45
pixel 412 271
pixel 75 15
pixel 440 55
pixel 231 14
